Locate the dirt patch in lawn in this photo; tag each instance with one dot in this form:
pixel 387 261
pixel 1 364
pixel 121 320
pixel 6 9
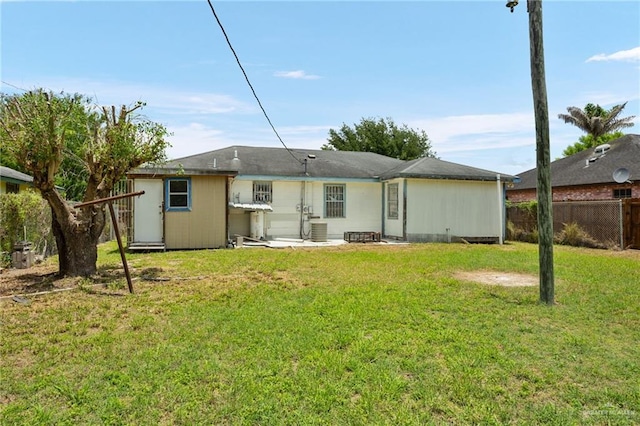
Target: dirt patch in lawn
pixel 505 279
pixel 31 280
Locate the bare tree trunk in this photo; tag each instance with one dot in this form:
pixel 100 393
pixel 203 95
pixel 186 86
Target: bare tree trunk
pixel 545 211
pixel 61 246
pixel 77 235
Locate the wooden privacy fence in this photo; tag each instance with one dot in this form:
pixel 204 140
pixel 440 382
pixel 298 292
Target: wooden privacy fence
pixel 602 220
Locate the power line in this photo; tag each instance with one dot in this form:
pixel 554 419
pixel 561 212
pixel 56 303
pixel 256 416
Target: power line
pixel 15 87
pixel 248 82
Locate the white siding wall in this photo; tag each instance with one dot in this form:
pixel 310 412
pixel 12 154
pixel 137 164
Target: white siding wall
pixel 393 227
pixel 243 190
pixel 466 208
pixel 363 207
pixel 284 220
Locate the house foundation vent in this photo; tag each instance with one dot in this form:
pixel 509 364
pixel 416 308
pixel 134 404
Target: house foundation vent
pixel 319 231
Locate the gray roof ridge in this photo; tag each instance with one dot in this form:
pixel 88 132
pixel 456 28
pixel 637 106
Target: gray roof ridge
pixel 413 163
pixel 462 165
pixel 280 148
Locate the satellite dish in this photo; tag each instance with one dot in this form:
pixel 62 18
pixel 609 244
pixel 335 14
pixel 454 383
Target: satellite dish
pixel 621 175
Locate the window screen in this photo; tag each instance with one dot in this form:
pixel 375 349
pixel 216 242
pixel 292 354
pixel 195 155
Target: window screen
pixel 334 196
pixel 392 201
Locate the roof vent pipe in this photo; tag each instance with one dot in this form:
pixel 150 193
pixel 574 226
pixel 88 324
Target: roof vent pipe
pixel 235 163
pixel 601 149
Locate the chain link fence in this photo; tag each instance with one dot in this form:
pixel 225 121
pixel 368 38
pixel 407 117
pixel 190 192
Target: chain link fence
pixel 602 220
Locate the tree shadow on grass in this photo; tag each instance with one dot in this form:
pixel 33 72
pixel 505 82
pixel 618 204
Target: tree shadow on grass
pixel 18 281
pixel 109 280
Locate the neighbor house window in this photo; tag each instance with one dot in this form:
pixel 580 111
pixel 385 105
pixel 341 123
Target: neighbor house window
pixel 392 201
pixel 334 199
pixel 178 194
pixel 622 193
pixel 12 188
pixel 261 192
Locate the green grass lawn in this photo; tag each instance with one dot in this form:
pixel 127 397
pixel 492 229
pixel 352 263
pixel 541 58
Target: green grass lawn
pixel 351 335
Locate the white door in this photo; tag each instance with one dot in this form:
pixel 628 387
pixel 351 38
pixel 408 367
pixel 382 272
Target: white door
pixel 147 208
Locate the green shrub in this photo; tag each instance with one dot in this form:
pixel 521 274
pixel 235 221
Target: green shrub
pixel 24 216
pixel 530 207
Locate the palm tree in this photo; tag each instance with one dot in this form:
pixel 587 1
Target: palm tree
pixel 596 121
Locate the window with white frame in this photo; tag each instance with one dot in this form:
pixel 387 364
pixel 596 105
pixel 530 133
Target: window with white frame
pixel 262 192
pixel 334 201
pixel 178 194
pixel 392 201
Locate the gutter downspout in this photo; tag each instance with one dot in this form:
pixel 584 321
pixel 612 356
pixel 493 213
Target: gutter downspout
pixel 404 209
pixel 302 194
pixel 384 186
pixel 500 207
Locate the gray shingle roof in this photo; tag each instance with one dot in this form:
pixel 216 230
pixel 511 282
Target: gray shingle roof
pixel 433 168
pixel 573 170
pixel 262 161
pixel 6 172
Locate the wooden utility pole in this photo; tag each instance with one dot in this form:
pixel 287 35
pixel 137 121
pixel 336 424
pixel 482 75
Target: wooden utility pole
pixel 543 157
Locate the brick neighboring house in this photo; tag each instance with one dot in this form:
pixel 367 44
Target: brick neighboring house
pixel 588 175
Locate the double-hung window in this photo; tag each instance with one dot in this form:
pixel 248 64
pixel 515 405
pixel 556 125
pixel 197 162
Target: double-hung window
pixel 178 194
pixel 392 201
pixel 262 192
pixel 334 201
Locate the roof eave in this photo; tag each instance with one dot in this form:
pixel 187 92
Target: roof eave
pixel 505 178
pixel 181 171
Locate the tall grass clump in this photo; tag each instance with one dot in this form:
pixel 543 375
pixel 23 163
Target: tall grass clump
pixel 573 235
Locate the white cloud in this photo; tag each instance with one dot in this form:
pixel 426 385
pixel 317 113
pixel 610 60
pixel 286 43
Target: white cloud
pixel 631 55
pixel 445 129
pixel 198 103
pixel 299 75
pixel 609 98
pixel 160 98
pixel 304 130
pixel 194 138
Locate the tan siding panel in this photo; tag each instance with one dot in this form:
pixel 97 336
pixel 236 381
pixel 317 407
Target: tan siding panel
pixel 205 225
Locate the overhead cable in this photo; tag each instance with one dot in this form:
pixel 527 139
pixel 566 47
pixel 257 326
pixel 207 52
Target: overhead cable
pixel 248 82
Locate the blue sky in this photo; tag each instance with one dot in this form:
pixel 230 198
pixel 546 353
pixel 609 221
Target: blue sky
pixel 457 70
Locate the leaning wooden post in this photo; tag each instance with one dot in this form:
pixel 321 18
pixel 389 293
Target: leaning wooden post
pixel 114 221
